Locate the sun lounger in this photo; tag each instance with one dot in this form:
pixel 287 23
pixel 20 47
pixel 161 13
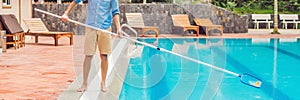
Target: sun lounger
pixel 208 25
pixel 37 28
pixel 14 32
pixel 181 21
pixel 135 20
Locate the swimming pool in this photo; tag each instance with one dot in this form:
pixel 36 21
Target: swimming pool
pixel 158 75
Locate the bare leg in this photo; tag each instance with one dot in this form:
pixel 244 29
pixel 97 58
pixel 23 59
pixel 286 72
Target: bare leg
pixel 86 71
pixel 104 67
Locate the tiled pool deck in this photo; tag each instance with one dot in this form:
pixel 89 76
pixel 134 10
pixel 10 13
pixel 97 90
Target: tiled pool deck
pixel 44 71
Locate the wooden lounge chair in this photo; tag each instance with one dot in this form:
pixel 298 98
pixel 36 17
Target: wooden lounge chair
pixel 135 20
pixel 15 36
pixel 182 22
pixel 37 28
pixel 208 25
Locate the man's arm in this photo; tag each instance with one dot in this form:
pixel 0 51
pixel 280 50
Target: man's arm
pixel 116 19
pixel 65 16
pixel 116 14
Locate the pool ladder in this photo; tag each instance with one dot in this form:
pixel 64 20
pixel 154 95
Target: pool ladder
pixel 134 50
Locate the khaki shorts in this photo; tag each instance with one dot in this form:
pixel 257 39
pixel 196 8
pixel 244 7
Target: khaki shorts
pixel 94 38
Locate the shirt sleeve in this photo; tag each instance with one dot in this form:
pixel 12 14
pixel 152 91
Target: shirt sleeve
pixel 115 7
pixel 78 1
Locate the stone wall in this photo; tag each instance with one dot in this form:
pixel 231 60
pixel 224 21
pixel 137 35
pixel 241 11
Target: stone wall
pixel 153 15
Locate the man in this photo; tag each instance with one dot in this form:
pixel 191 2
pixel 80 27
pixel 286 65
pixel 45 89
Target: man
pixel 100 15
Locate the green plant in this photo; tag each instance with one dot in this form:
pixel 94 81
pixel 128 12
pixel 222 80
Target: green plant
pixel 195 2
pixel 259 6
pixel 228 4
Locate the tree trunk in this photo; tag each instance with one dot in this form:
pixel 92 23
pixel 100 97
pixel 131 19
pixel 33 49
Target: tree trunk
pixel 275 30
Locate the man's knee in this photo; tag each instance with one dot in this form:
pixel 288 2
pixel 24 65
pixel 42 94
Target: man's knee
pixel 103 56
pixel 89 57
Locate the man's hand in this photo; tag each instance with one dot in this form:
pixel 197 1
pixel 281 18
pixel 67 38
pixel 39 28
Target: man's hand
pixel 64 18
pixel 119 32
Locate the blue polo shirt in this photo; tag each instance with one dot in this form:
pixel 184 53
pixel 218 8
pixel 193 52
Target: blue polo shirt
pixel 100 12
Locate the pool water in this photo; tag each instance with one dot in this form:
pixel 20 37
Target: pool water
pixel 158 75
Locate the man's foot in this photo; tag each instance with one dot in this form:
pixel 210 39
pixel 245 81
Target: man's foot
pixel 82 89
pixel 103 87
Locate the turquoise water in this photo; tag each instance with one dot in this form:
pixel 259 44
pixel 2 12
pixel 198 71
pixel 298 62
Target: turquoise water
pixel 158 75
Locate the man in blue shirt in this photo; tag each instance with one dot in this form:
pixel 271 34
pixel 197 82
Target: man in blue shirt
pixel 100 15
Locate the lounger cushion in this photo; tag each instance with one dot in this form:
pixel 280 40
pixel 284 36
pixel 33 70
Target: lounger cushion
pixel 10 23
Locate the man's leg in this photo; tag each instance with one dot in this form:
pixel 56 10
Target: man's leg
pixel 104 67
pixel 86 70
pixel 90 45
pixel 104 46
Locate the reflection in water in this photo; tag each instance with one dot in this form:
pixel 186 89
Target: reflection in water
pixel 275 67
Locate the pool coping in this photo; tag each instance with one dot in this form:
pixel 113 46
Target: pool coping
pixel 252 33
